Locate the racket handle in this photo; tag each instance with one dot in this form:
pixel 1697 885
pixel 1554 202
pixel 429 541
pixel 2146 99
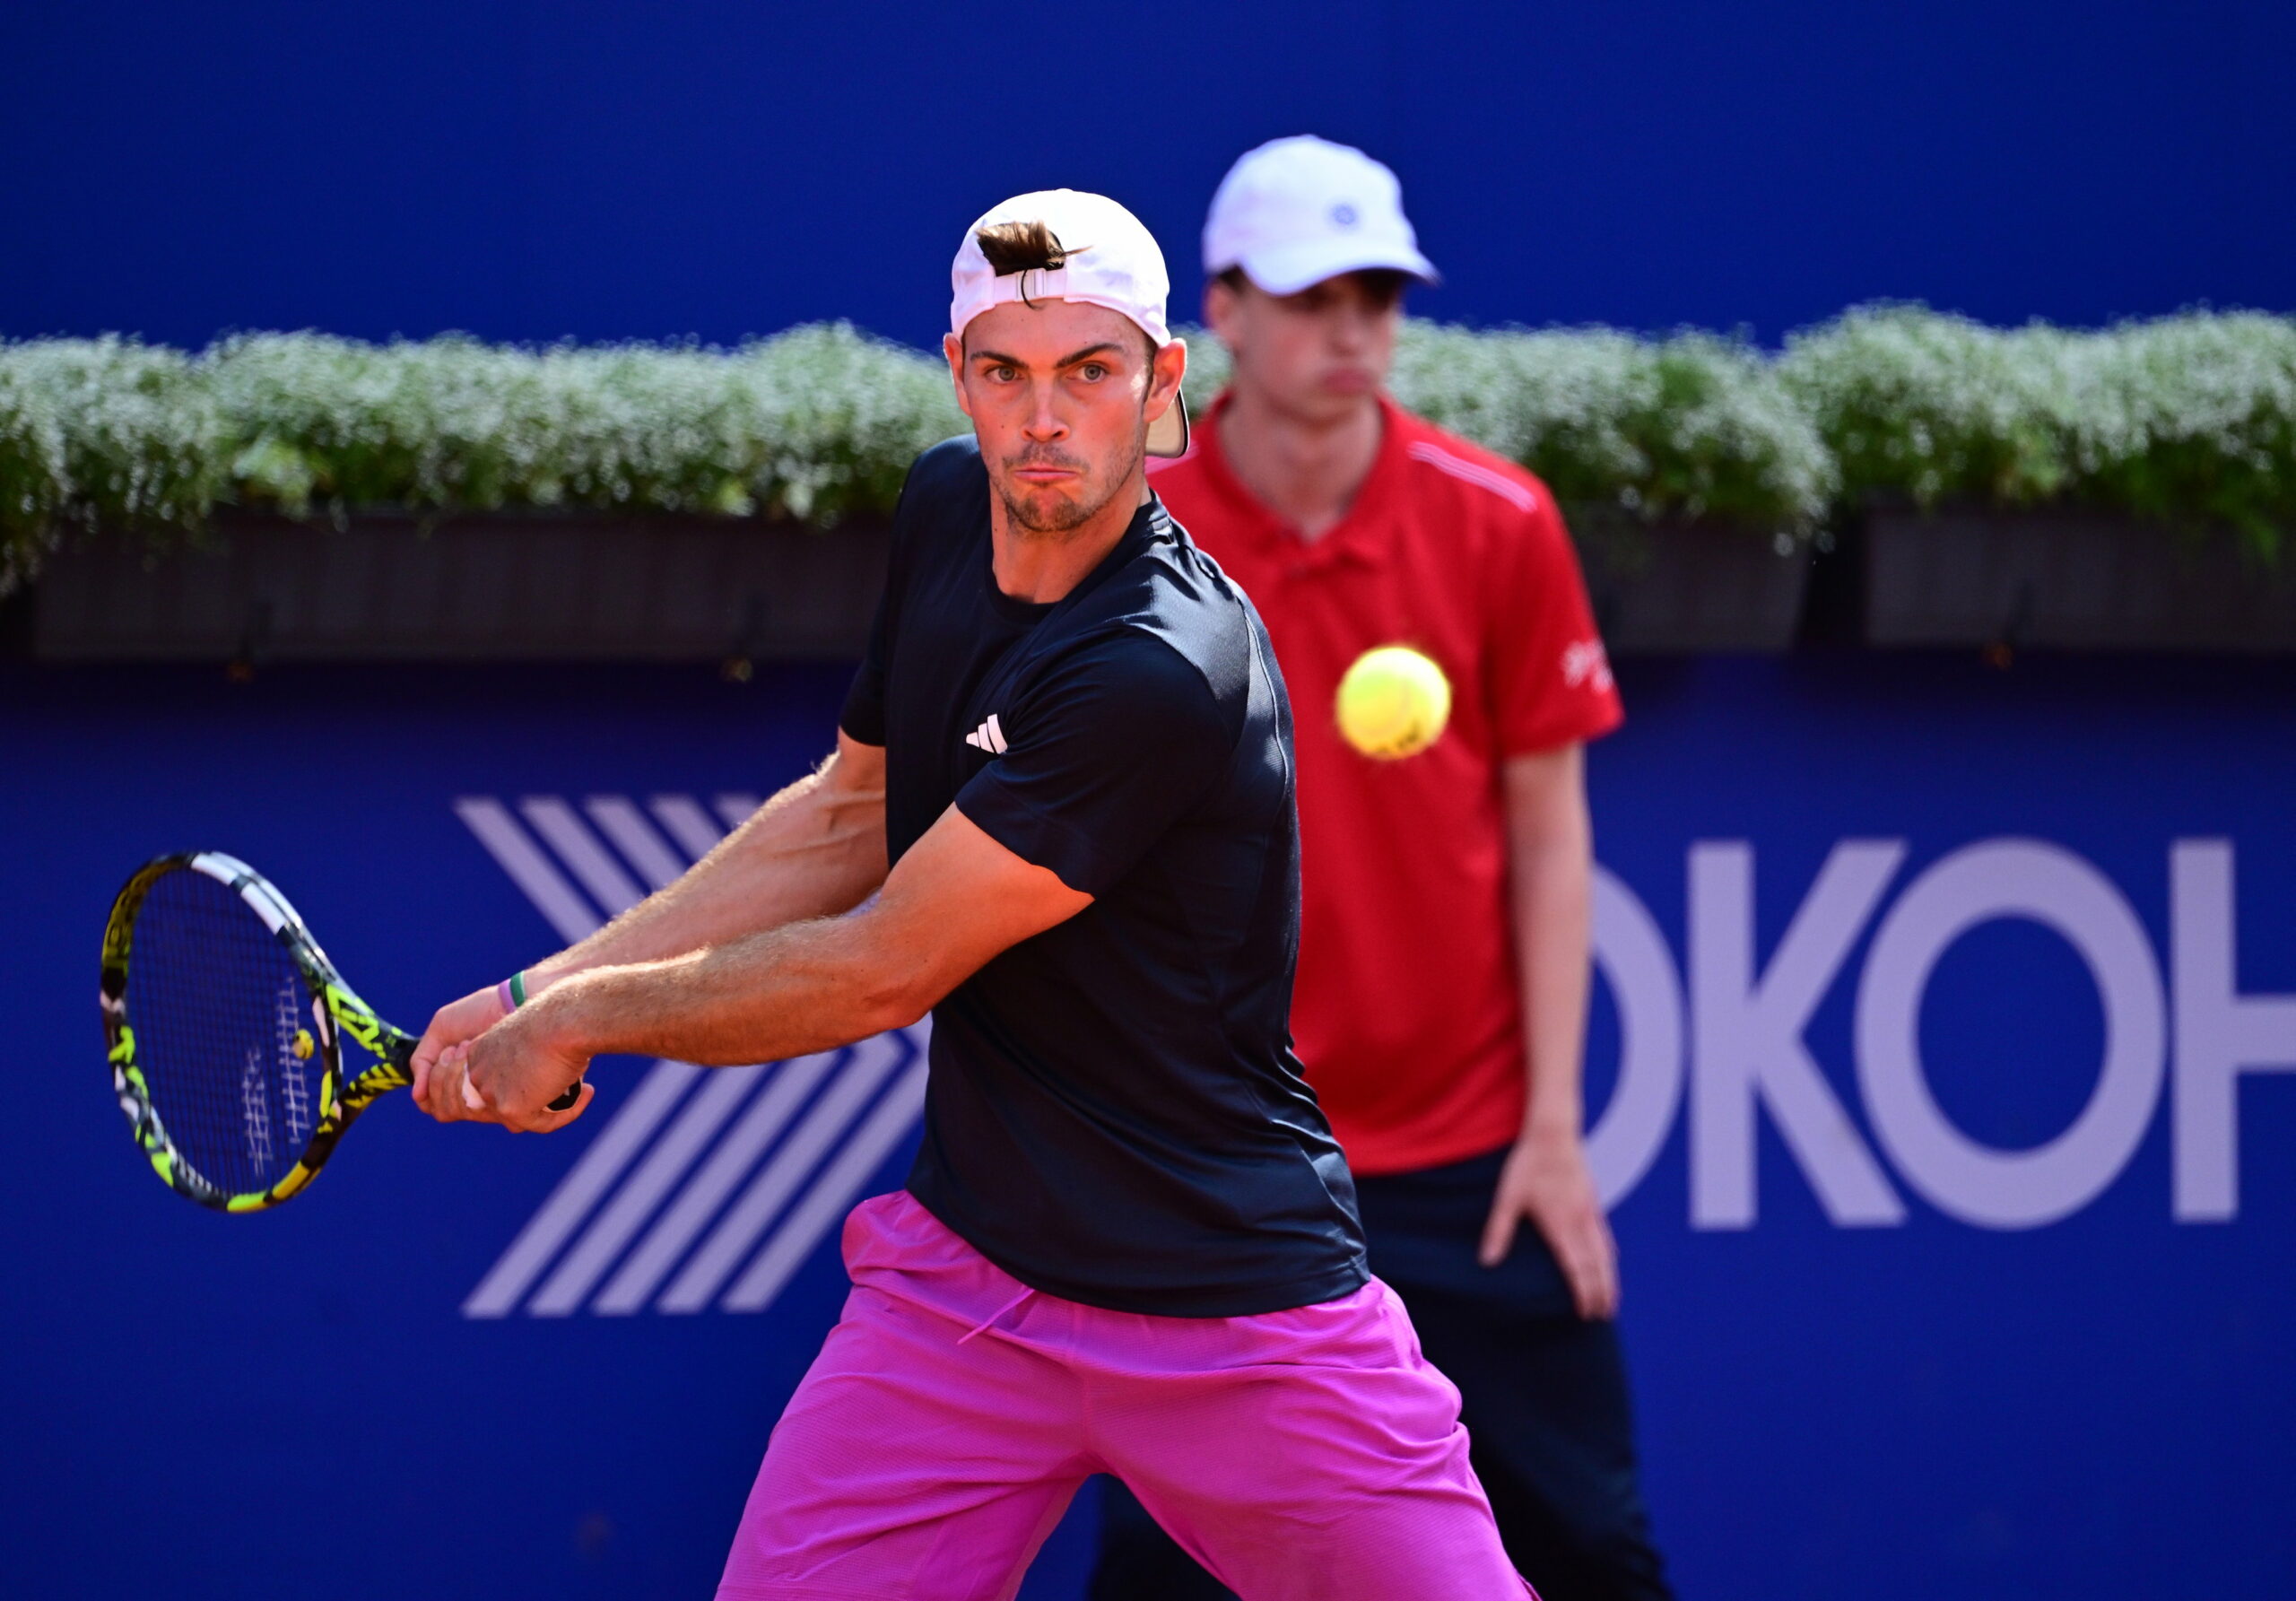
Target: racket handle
pixel 566 1101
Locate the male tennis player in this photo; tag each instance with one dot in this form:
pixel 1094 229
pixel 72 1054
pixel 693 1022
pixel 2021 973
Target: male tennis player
pixel 1130 1242
pixel 1443 957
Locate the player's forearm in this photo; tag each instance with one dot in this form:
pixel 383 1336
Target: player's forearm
pixel 816 848
pixel 805 987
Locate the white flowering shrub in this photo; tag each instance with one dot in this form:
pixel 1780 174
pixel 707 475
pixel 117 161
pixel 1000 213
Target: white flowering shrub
pixel 33 477
pixel 817 422
pixel 1687 426
pixel 2188 420
pixel 114 432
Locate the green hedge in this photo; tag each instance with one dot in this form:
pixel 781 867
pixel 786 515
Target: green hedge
pixel 2188 420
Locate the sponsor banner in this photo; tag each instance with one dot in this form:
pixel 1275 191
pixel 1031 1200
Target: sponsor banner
pixel 1937 1084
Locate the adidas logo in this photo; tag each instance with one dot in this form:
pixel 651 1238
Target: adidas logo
pixel 987 737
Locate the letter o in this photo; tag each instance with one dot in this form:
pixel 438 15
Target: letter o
pixel 1979 1184
pixel 1632 957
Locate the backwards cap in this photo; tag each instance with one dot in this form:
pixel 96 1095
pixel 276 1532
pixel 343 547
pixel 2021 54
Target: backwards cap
pixel 1295 211
pixel 1108 259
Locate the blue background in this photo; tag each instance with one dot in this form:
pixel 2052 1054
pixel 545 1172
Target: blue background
pixel 216 1407
pixel 604 169
pixel 221 1407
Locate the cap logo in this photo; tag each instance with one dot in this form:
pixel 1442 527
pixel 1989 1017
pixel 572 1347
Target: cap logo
pixel 1344 215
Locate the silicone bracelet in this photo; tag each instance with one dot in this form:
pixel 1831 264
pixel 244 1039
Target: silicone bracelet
pixel 502 995
pixel 518 988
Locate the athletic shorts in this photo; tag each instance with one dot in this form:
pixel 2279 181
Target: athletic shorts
pixel 1307 1455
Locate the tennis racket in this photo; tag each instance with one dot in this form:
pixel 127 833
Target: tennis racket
pixel 225 1022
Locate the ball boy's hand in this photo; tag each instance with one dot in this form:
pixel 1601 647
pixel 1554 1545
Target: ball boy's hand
pixel 1546 1179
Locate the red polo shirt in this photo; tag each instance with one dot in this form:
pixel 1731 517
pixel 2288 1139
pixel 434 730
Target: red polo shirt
pixel 1407 1012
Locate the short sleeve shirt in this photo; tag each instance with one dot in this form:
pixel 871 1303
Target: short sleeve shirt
pixel 1408 1014
pixel 1114 1113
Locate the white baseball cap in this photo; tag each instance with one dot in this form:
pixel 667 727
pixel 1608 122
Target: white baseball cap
pixel 1108 257
pixel 1297 210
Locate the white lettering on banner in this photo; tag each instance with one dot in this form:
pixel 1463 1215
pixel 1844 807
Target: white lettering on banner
pixel 2009 878
pixel 2220 1032
pixel 711 1190
pixel 1747 1034
pixel 1631 956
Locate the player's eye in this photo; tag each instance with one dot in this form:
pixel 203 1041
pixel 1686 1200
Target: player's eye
pixel 1093 372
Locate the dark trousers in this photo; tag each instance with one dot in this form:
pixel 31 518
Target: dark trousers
pixel 1543 1398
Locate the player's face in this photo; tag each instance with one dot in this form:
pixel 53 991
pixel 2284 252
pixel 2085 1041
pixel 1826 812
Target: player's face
pixel 1318 353
pixel 1060 394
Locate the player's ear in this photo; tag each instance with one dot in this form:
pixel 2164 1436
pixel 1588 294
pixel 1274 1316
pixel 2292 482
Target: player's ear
pixel 1165 370
pixel 953 348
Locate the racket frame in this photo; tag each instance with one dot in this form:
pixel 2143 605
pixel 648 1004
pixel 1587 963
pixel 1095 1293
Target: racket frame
pixel 337 1011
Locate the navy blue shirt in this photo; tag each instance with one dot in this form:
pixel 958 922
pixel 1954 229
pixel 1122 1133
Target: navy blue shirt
pixel 1115 1115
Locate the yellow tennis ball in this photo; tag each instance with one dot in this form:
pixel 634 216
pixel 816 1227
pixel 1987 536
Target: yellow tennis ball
pixel 1393 702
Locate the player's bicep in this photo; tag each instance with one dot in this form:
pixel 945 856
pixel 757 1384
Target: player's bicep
pixel 855 774
pixel 958 898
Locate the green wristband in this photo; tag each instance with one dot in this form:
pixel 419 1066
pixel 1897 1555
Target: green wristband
pixel 517 989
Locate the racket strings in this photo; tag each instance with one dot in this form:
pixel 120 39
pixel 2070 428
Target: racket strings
pixel 224 1033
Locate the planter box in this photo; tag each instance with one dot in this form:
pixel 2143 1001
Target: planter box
pixel 592 587
pixel 506 587
pixel 2067 581
pixel 1672 588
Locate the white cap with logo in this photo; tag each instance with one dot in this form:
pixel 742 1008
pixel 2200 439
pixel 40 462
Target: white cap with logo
pixel 1297 210
pixel 1107 257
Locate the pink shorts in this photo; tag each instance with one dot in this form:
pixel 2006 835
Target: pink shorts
pixel 953 1411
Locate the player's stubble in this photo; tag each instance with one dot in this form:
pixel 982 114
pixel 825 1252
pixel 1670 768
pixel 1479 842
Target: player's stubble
pixel 1054 514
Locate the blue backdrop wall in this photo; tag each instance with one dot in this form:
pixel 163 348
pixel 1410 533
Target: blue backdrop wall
pixel 1927 1061
pixel 606 168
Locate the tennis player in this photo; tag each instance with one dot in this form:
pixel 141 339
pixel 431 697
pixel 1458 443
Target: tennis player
pixel 1060 818
pixel 1443 957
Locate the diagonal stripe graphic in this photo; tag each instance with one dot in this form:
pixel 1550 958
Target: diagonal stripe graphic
pixel 643 1272
pixel 722 1091
pixel 675 1164
pixel 601 1162
pixel 682 816
pixel 580 849
pixel 559 903
pixel 872 1061
pixel 620 821
pixel 831 1196
pixel 735 808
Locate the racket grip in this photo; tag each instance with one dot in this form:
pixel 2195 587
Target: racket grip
pixel 566 1101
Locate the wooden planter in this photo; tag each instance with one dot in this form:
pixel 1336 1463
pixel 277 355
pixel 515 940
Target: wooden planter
pixel 504 587
pixel 2067 581
pixel 590 586
pixel 1673 588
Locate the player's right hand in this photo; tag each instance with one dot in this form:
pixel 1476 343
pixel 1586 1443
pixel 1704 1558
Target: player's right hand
pixel 457 1022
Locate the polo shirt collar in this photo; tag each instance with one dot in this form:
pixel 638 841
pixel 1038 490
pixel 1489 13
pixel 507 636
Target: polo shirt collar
pixel 1360 535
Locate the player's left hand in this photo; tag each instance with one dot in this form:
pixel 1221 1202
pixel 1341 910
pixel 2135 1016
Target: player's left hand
pixel 508 1075
pixel 1546 1179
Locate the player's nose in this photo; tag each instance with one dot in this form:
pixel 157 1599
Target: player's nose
pixel 1045 421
